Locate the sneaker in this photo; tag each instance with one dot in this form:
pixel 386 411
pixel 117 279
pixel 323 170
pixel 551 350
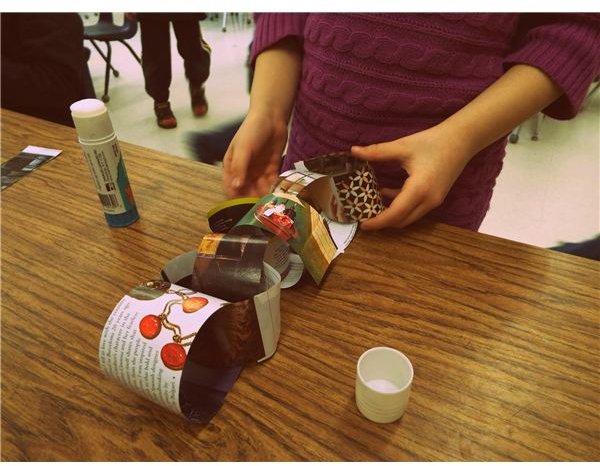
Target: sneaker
pixel 199 103
pixel 164 115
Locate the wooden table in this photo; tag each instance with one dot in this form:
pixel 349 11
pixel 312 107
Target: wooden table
pixel 503 336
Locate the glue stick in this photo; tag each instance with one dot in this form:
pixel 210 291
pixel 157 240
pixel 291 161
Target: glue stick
pixel 103 155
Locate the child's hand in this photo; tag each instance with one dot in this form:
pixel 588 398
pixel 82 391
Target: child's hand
pixel 251 163
pixel 433 159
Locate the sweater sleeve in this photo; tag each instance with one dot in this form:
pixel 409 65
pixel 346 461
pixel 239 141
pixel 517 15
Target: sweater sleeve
pixel 272 27
pixel 567 48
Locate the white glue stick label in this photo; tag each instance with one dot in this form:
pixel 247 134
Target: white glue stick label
pixel 105 164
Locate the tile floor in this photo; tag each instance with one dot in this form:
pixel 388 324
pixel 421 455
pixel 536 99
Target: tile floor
pixel 548 191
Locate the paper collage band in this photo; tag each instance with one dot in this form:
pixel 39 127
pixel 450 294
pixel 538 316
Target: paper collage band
pixel 183 341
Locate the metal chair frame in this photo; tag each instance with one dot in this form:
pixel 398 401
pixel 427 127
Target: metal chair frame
pixel 107 57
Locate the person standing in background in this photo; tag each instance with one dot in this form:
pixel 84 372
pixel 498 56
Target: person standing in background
pixel 156 60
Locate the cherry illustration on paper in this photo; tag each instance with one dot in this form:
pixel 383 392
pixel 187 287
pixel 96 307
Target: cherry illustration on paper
pixel 173 355
pixel 150 326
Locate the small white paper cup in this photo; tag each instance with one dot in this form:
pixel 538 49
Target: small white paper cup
pixel 383 380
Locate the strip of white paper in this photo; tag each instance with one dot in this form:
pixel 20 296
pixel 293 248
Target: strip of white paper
pixel 342 234
pixel 36 150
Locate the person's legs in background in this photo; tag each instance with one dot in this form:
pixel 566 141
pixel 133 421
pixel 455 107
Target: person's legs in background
pixel 196 59
pixel 156 64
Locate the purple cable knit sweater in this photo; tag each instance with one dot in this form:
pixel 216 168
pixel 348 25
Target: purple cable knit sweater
pixel 370 78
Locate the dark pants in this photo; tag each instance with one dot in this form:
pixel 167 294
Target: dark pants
pixel 156 54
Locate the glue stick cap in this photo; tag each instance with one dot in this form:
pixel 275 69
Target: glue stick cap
pixel 92 120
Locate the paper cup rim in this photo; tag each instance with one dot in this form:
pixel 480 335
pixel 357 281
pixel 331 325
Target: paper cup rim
pixel 401 354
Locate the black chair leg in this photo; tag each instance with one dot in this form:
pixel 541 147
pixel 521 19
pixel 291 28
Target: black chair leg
pixel 139 60
pixel 105 97
pixel 106 60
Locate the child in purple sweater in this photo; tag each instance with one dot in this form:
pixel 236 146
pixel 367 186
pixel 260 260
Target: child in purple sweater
pixel 428 99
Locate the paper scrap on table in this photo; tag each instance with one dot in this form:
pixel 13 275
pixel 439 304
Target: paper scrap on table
pixel 28 160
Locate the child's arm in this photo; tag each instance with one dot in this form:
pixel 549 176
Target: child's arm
pixel 434 158
pixel 252 161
